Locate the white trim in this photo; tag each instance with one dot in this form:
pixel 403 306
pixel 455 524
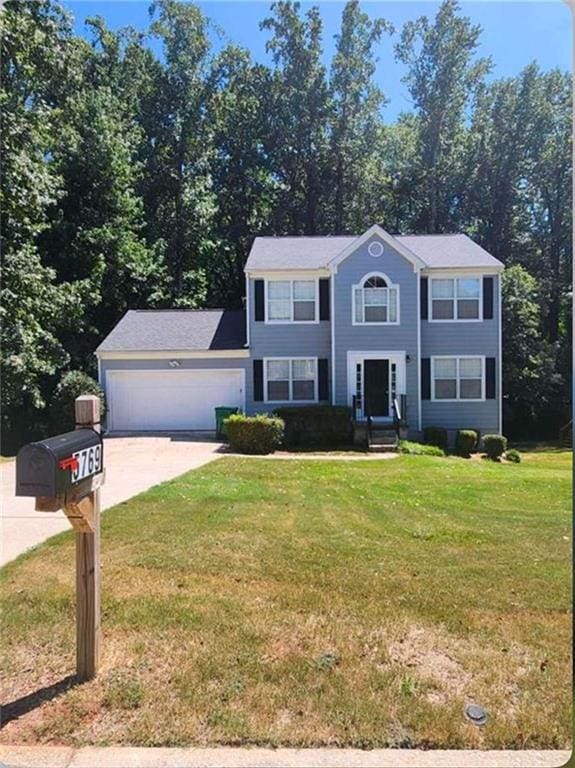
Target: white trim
pixel 500 356
pixel 291 281
pixel 113 373
pixel 389 284
pixel 461 271
pixel 386 237
pixel 451 276
pixel 418 388
pixel 457 379
pixel 332 322
pixel 287 274
pixel 169 354
pixel 290 359
pixel 248 319
pixel 398 357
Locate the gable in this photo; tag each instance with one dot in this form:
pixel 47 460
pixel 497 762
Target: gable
pixel 377 235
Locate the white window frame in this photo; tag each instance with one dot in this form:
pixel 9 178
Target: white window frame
pixel 458 399
pixel 291 281
pixel 360 285
pixel 290 360
pixel 455 318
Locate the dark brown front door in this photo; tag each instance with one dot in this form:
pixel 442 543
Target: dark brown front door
pixel 376 378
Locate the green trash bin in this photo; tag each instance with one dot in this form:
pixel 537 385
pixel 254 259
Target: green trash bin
pixel 222 413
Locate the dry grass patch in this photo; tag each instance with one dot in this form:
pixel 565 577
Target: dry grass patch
pixel 304 603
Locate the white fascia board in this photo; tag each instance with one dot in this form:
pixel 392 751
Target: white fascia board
pixel 286 274
pixel 459 271
pixel 183 354
pixel 387 238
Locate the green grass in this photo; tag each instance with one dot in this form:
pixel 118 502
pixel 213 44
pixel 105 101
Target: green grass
pixel 303 602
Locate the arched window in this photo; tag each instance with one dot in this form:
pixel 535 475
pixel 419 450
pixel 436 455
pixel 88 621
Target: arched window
pixel 376 300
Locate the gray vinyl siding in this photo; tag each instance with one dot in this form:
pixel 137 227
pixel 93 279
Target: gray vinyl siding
pixel 284 340
pixel 459 338
pixel 402 337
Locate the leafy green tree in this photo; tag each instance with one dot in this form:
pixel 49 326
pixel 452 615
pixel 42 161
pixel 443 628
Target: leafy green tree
pixel 299 113
pixel 96 226
pixel 178 195
pixel 243 182
pixel 531 382
pixel 34 308
pixel 442 75
pixel 355 118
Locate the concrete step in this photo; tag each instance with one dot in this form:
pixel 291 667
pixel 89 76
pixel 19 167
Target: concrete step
pixel 383 432
pixel 382 448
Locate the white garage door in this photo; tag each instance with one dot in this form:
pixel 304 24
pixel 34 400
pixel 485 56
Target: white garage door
pixel 171 400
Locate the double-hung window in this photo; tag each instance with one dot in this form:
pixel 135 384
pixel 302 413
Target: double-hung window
pixel 292 301
pixel 458 378
pixel 375 301
pixel 294 379
pixel 455 298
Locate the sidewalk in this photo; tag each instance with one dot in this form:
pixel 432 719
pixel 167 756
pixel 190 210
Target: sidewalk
pixel 246 757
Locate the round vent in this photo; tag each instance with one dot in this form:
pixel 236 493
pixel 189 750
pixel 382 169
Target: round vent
pixel 375 249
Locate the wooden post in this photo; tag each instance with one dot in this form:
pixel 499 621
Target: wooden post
pixel 88 564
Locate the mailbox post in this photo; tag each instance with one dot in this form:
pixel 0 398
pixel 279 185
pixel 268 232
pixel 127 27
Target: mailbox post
pixel 88 563
pixel 66 472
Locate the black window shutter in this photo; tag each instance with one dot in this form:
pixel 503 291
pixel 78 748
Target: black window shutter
pixel 490 378
pixel 323 379
pixel 259 301
pixel 324 298
pixel 426 378
pixel 423 298
pixel 258 381
pixel 488 298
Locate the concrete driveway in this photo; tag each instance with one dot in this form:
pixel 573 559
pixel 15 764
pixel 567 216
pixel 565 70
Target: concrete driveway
pixel 133 464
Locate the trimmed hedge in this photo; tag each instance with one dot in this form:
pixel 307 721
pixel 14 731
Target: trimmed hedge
pixel 513 455
pixel 436 436
pixel 494 446
pixel 316 425
pixel 260 434
pixel 419 449
pixel 466 441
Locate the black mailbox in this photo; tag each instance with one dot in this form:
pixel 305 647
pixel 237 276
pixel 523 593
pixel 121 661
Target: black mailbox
pixel 55 466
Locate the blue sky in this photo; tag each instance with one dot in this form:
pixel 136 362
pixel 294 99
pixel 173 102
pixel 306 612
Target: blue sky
pixel 514 33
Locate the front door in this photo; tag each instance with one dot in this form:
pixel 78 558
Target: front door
pixel 376 388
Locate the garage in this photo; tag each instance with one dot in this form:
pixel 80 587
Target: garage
pixel 171 400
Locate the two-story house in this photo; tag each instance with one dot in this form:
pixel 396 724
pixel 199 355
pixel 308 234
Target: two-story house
pixel 354 320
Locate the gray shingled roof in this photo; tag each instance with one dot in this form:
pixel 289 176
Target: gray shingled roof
pixel 317 252
pixel 151 330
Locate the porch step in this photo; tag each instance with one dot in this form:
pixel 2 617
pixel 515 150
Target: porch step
pixel 382 447
pixel 383 433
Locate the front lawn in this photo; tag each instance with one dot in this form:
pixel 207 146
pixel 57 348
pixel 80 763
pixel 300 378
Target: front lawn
pixel 311 602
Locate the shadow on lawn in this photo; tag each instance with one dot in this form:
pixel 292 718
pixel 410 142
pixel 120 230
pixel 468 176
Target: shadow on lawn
pixel 15 709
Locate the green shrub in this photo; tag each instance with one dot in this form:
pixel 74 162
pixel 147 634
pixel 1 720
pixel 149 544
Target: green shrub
pixel 325 426
pixel 435 436
pixel 260 434
pixel 513 456
pixel 465 441
pixel 494 446
pixel 418 449
pixel 72 385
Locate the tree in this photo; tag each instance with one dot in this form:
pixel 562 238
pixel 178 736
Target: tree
pixel 298 118
pixel 179 200
pixel 34 309
pixel 442 76
pixel 242 178
pixel 95 231
pixel 531 383
pixel 355 118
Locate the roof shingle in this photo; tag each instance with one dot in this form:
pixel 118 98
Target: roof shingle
pixel 148 330
pixel 303 252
